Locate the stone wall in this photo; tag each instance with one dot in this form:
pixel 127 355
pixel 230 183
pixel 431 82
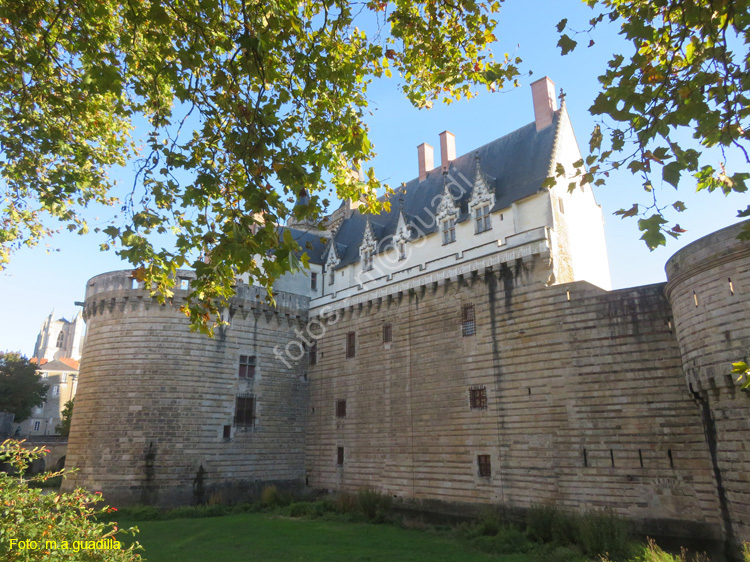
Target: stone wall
pixel 586 405
pixel 154 399
pixel 709 288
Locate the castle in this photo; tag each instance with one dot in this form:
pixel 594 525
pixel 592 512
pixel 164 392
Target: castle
pixel 462 349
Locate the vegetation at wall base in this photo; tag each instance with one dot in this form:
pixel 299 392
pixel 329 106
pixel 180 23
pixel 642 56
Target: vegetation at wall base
pixel 549 534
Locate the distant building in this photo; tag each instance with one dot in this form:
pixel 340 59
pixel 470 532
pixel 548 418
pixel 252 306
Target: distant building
pixel 60 338
pixel 61 376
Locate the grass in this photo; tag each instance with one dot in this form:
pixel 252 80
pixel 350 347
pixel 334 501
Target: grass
pixel 269 538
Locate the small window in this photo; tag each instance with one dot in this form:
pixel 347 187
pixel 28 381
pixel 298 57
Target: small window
pixel 134 283
pixel 313 281
pixel 63 377
pixel 227 431
pixel 485 466
pixel 60 338
pixel 483 219
pixel 56 390
pixel 340 456
pixel 560 204
pixel 331 276
pixel 367 261
pixel 340 408
pixel 387 333
pixel 244 412
pixel 351 342
pixel 478 397
pixel 314 354
pixel 37 425
pixel 184 284
pixel 449 231
pixel 247 366
pixel 401 251
pixel 468 318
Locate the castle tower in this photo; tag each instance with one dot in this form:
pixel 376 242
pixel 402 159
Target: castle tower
pixel 166 416
pixel 709 290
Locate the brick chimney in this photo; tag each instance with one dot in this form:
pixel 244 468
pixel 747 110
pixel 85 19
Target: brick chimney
pixel 545 102
pixel 426 160
pixel 447 148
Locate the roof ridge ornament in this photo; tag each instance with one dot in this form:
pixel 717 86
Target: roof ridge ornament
pixel 447 207
pixel 481 193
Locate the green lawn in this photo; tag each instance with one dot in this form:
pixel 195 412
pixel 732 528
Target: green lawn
pixel 267 538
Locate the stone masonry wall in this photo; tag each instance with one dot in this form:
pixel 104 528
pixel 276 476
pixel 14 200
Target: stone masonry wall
pixel 709 288
pixel 586 405
pixel 154 399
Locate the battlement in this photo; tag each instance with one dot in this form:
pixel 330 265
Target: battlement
pixel 120 289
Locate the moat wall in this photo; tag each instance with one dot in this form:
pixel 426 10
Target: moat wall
pixel 154 399
pixel 586 403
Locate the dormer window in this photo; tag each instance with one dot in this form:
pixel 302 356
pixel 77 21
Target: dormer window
pixel 331 276
pixel 482 219
pixel 449 231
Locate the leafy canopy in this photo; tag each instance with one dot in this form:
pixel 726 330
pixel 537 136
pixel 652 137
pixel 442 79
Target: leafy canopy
pixel 21 387
pixel 687 76
pixel 231 109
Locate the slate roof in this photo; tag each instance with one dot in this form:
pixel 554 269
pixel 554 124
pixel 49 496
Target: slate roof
pixel 514 166
pixel 311 241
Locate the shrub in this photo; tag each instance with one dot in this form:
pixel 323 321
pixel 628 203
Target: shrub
pixel 346 502
pixel 603 533
pixel 53 525
pixel 506 540
pixel 269 496
pixel 374 506
pixel 540 522
pixel 142 513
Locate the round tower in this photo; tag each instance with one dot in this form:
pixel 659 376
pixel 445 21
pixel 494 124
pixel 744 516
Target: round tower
pixel 709 290
pixel 166 416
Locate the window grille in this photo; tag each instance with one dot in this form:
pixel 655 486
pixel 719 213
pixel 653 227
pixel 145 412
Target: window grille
pixel 469 326
pixel 351 341
pixel 483 219
pixel 478 397
pixel 449 231
pixel 387 333
pixel 244 413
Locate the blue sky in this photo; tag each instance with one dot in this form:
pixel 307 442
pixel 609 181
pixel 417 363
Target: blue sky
pixel 36 282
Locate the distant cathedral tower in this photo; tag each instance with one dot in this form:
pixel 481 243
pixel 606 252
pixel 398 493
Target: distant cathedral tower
pixel 60 338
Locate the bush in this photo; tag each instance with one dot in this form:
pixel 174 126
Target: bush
pixel 374 506
pixel 141 513
pixel 346 502
pixel 603 533
pixel 507 540
pixel 53 525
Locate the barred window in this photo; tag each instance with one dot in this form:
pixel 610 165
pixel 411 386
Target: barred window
pixel 387 333
pixel 483 219
pixel 244 411
pixel 468 318
pixel 449 231
pixel 351 341
pixel 247 366
pixel 340 408
pixel 478 397
pixel 485 466
pixel 314 354
pixel 340 456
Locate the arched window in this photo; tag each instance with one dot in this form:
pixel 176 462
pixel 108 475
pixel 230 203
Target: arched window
pixel 60 338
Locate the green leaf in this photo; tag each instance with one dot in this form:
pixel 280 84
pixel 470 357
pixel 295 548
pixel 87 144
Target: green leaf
pixel 566 44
